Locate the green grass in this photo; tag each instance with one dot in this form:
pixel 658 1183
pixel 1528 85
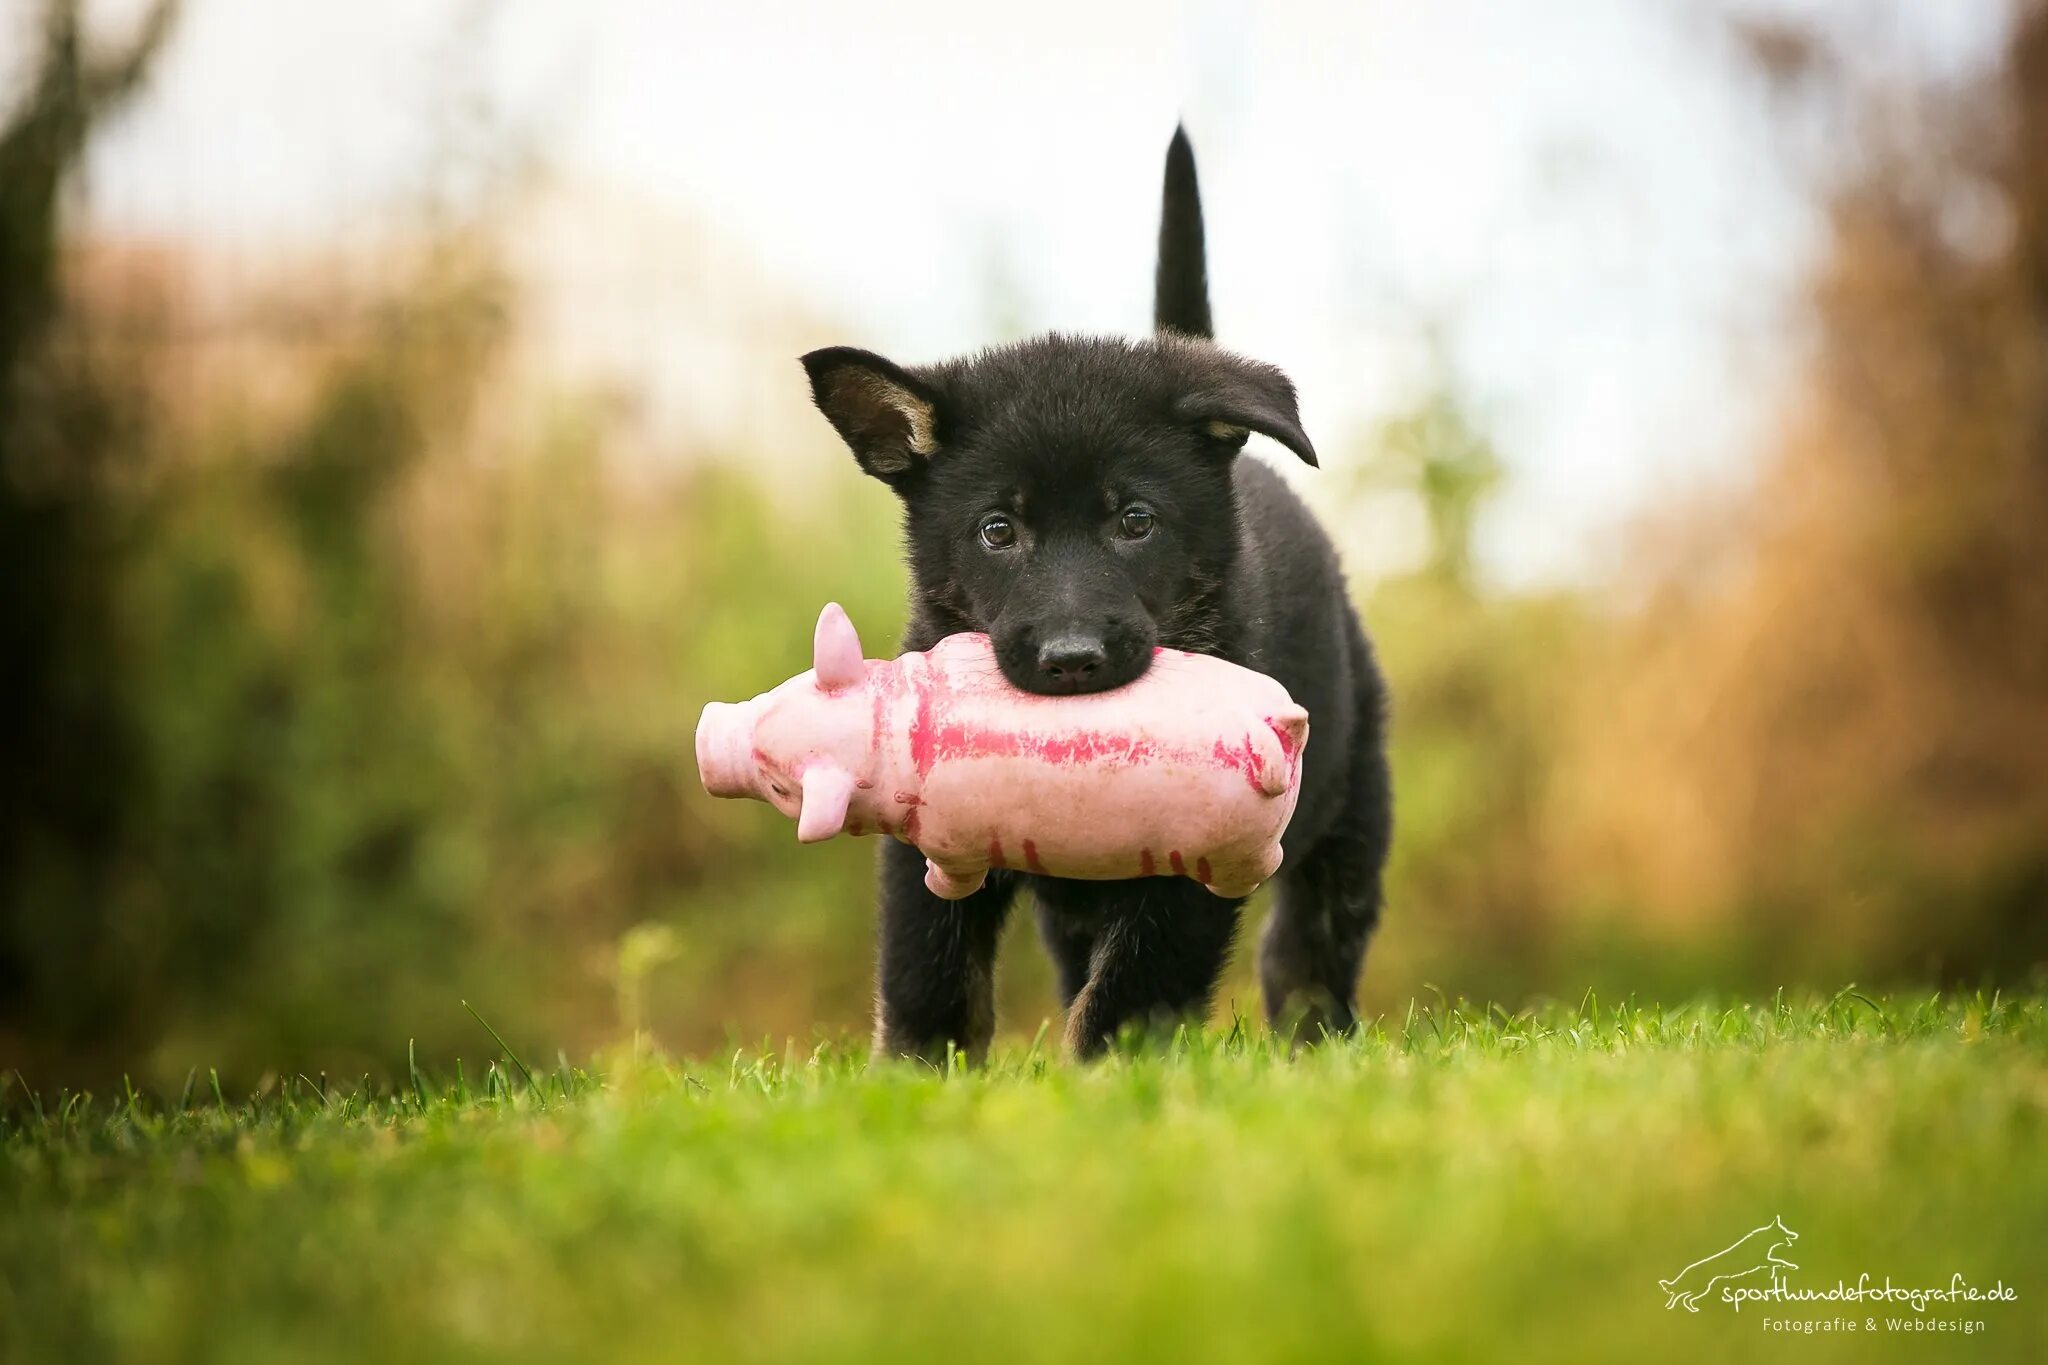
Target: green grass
pixel 1459 1184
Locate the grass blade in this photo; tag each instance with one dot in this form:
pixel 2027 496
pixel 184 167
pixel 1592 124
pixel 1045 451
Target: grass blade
pixel 531 1084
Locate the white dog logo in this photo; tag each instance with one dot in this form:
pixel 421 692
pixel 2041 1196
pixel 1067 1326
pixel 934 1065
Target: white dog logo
pixel 1755 1252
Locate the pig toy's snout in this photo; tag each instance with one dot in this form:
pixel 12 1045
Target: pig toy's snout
pixel 725 749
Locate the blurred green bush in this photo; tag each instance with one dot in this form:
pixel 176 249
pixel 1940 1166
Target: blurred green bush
pixel 406 725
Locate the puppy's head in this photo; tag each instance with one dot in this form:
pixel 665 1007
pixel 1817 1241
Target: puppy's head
pixel 1071 497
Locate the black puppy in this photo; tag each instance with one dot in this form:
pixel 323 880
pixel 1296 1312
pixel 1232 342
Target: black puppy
pixel 1082 501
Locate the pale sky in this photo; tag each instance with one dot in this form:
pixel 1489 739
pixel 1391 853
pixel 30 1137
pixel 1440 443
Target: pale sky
pixel 1584 197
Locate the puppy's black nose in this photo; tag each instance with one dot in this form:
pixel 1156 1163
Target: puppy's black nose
pixel 1071 661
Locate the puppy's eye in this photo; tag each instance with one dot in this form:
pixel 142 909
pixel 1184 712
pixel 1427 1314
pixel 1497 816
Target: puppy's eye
pixel 998 532
pixel 1136 523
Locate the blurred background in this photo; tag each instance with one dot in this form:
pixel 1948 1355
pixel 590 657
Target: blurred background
pixel 401 438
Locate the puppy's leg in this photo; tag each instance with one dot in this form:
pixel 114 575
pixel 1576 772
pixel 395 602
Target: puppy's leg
pixel 936 976
pixel 1159 948
pixel 1069 936
pixel 1326 906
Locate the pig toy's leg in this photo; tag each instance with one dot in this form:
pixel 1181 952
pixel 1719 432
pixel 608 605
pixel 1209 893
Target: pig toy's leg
pixel 935 982
pixel 1250 880
pixel 953 883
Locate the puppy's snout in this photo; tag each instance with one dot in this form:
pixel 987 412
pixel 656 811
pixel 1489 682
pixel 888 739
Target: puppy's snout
pixel 1072 658
pixel 1071 661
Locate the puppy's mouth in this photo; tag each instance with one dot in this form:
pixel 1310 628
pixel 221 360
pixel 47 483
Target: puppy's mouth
pixel 1061 662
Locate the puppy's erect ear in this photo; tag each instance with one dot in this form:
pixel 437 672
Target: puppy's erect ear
pixel 888 416
pixel 1231 396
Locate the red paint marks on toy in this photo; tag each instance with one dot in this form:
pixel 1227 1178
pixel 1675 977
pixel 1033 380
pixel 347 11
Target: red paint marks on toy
pixel 856 828
pixel 910 825
pixel 1244 760
pixel 1284 735
pixel 1031 857
pixel 1180 868
pixel 923 739
pixel 995 853
pixel 960 741
pixel 955 740
pixel 937 736
pixel 1063 751
pixel 1202 871
pixel 1146 867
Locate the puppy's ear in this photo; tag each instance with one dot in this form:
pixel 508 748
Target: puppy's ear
pixel 1230 396
pixel 888 416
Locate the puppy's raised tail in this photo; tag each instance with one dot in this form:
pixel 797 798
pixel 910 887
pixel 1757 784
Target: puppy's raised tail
pixel 1180 289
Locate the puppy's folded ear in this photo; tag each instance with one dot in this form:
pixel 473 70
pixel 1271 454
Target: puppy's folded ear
pixel 887 415
pixel 1231 396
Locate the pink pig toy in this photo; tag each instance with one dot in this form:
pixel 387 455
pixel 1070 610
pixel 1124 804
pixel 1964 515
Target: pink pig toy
pixel 1192 770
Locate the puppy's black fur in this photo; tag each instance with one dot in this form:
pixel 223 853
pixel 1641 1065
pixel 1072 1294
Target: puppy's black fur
pixel 1082 500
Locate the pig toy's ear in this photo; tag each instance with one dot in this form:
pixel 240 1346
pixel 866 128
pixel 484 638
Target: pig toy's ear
pixel 827 789
pixel 835 651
